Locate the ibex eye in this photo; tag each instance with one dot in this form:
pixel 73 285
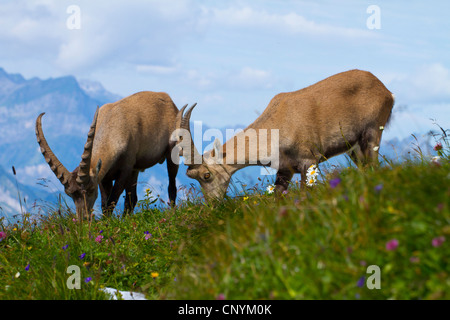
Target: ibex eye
pixel 207 176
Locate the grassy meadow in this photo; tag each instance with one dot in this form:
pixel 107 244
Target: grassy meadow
pixel 311 243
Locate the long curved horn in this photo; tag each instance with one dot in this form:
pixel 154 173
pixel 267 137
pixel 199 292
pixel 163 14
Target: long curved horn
pixel 85 164
pixel 183 123
pixel 55 165
pixel 180 117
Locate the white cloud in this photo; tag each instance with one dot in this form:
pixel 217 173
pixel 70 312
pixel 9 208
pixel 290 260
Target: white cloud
pixel 290 23
pixel 156 69
pixel 429 83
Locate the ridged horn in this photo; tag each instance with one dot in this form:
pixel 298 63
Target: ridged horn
pixel 85 164
pixel 56 166
pixel 182 122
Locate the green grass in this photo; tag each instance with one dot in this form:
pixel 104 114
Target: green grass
pixel 315 243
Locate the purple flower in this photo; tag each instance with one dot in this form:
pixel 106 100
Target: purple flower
pixel 82 256
pixel 438 241
pixel 361 282
pixel 99 239
pixel 378 188
pixel 88 279
pixel 221 296
pixel 335 182
pixel 148 235
pixel 65 247
pixel 391 245
pixel 2 235
pixel 27 267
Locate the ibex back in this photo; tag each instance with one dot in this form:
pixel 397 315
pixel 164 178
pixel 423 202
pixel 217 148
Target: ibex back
pixel 126 137
pixel 343 113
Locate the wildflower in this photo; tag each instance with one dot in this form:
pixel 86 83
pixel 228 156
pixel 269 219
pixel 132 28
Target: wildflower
pixel 436 160
pixel 391 245
pixel 221 296
pixel 99 239
pixel 310 182
pixel 65 247
pixel 311 175
pixel 438 241
pixel 270 189
pixel 334 182
pixel 17 274
pixel 285 192
pixel 2 235
pixel 361 282
pixel 378 188
pixel 148 235
pixel 82 256
pixel 376 148
pixel 154 275
pixel 27 267
pixel 312 171
pixel 88 279
pixel 245 198
pixel 381 128
pixel 438 146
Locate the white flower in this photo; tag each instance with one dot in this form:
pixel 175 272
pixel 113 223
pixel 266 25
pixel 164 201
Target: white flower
pixel 436 159
pixel 376 148
pixel 310 181
pixel 270 189
pixel 311 175
pixel 17 275
pixel 381 128
pixel 312 171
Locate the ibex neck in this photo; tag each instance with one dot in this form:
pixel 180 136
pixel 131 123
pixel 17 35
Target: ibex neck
pixel 251 147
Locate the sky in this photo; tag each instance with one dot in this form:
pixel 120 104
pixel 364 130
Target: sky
pixel 232 57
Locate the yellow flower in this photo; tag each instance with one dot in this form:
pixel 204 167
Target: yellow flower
pixel 245 198
pixel 154 274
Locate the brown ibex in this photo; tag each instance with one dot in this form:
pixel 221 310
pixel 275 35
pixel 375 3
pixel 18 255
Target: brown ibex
pixel 125 137
pixel 343 113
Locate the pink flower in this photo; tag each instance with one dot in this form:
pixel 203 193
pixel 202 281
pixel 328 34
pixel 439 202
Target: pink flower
pixel 2 235
pixel 391 245
pixel 438 241
pixel 438 146
pixel 99 238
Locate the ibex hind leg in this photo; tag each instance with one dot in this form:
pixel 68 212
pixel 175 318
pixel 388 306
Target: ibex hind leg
pixel 284 176
pixel 370 144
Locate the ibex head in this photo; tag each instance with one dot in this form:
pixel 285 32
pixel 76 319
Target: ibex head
pixel 213 176
pixel 81 184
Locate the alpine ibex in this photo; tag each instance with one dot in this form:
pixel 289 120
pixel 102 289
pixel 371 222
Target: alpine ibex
pixel 125 137
pixel 343 113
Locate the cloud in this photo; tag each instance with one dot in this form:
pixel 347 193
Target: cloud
pixel 289 23
pixel 426 84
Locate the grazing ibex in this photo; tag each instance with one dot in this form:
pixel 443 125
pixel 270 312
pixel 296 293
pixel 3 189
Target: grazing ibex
pixel 343 113
pixel 125 137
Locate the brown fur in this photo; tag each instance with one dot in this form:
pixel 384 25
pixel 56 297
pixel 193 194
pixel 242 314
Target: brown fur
pixel 342 113
pixel 131 135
